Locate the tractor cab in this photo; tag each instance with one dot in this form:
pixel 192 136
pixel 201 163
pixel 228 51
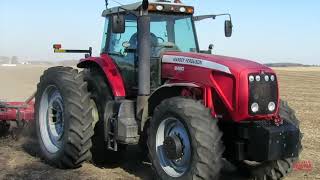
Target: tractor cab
pixel 172 28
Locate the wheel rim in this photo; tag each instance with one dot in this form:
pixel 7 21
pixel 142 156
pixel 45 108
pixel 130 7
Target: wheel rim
pixel 95 113
pixel 51 119
pixel 168 128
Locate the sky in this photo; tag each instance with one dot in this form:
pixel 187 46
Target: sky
pixel 264 31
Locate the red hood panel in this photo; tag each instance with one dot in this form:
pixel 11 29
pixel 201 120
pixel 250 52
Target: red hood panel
pixel 236 65
pixel 227 75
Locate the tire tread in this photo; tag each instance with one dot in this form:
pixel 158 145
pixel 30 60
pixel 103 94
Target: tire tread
pixel 204 130
pixel 77 145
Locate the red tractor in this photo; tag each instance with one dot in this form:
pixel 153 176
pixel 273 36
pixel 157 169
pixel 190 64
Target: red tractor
pixel 153 86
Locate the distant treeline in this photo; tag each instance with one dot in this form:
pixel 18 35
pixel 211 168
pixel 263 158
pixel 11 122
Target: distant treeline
pixel 289 65
pixel 15 60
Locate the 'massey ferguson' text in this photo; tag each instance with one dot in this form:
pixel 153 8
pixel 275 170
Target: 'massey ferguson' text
pixel 187 60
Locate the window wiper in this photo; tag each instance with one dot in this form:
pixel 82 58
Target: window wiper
pixel 115 53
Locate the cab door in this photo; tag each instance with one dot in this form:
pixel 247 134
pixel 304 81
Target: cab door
pixel 125 59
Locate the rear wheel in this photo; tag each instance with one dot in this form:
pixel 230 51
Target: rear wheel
pixel 273 170
pixel 184 141
pixel 100 96
pixel 63 117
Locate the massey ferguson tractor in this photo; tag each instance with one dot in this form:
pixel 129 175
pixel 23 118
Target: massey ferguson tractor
pixel 152 86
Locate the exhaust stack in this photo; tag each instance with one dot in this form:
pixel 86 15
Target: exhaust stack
pixel 144 51
pixel 144 54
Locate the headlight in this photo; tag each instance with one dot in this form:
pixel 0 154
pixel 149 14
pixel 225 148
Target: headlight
pixel 251 78
pixel 266 78
pixel 159 8
pixel 255 107
pixel 182 9
pixel 272 78
pixel 258 78
pixel 271 106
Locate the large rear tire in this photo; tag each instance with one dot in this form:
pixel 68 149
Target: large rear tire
pixel 63 117
pixel 184 141
pixel 273 170
pixel 100 95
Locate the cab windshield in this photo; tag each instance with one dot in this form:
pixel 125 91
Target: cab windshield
pixel 178 30
pixel 167 31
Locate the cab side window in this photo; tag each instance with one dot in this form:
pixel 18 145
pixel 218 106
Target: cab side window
pixel 117 40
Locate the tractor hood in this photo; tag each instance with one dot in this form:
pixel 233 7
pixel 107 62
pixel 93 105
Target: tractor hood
pixel 229 76
pixel 225 64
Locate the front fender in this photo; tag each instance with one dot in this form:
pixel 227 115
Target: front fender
pixel 163 92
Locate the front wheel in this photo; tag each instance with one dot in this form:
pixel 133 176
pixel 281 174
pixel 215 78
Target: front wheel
pixel 184 141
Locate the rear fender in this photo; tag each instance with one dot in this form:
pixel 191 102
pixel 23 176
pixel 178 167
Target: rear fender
pixel 110 70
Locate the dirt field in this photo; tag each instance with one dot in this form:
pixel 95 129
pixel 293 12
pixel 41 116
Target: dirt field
pixel 18 159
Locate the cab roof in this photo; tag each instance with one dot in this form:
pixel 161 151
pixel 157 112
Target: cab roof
pixel 137 6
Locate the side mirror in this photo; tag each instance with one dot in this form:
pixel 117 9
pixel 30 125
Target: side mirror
pixel 210 46
pixel 228 28
pixel 118 23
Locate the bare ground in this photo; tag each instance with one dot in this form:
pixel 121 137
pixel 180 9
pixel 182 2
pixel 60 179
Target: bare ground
pixel 19 160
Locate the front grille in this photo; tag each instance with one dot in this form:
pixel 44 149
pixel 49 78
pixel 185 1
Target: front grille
pixel 262 92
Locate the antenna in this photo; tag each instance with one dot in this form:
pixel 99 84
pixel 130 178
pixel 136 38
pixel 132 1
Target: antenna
pixel 117 2
pixel 107 3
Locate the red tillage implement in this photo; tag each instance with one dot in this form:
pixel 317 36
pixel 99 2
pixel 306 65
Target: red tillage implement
pixel 17 111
